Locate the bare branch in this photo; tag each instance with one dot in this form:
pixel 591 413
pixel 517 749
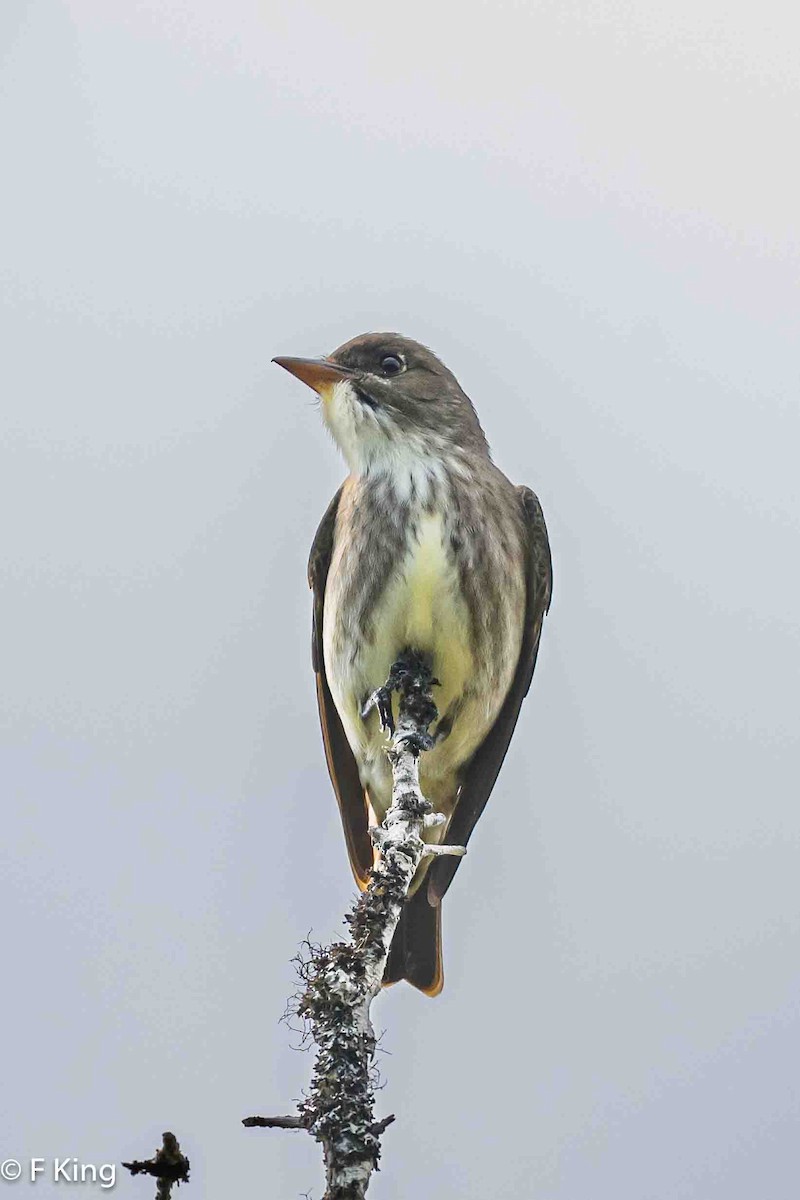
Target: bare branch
pixel 433 849
pixel 380 1126
pixel 339 982
pixel 274 1123
pixel 295 1123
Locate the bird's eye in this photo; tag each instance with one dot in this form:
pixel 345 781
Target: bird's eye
pixel 392 364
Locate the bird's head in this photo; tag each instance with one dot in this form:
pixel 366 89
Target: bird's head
pixel 388 401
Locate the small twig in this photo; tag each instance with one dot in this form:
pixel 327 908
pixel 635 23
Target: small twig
pixel 339 982
pixel 295 1123
pixel 167 1165
pixel 274 1123
pixel 381 1126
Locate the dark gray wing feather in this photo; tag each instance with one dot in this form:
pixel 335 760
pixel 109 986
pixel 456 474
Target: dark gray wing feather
pixel 342 765
pixel 483 768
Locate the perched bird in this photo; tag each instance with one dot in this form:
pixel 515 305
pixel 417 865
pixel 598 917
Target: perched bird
pixel 426 546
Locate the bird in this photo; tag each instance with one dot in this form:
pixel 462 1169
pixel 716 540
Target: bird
pixel 428 547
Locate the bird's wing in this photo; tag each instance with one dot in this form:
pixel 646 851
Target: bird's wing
pixel 481 772
pixel 342 765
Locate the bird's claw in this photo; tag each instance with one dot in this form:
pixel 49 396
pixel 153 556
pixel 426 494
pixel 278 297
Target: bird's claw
pixel 381 699
pixel 409 672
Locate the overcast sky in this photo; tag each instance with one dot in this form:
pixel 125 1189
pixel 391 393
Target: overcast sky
pixel 589 209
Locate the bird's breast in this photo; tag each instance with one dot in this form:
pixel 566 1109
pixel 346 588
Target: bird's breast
pixel 425 581
pixel 421 607
pixel 425 609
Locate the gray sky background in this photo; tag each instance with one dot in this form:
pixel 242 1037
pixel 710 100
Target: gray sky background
pixel 590 211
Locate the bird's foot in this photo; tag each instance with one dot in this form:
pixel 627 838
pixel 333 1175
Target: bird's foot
pixel 381 699
pixel 412 677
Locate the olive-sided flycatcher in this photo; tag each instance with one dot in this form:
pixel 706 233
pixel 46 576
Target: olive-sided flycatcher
pixel 428 547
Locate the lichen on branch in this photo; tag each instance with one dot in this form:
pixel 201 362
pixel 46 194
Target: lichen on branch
pixel 339 982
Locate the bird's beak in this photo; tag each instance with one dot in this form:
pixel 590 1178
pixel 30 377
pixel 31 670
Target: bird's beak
pixel 319 373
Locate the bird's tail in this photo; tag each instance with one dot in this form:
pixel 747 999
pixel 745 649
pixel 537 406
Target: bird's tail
pixel 416 950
